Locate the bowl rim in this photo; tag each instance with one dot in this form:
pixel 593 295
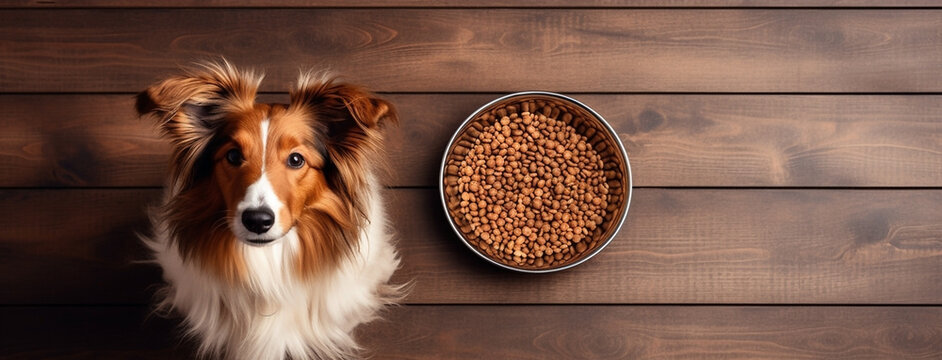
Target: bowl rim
pixel 475 114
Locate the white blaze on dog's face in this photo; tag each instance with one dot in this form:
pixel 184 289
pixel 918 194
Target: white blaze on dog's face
pixel 267 170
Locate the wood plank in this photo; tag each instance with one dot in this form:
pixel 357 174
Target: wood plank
pixel 526 332
pixel 722 246
pixel 113 332
pixel 656 332
pixel 78 140
pixel 76 247
pixel 678 246
pixel 463 4
pixel 672 140
pixel 475 50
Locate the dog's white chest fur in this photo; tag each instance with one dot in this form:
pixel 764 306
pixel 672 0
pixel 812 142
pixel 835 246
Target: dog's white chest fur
pixel 277 314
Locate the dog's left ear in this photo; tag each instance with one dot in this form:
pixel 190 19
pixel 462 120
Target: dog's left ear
pixel 351 114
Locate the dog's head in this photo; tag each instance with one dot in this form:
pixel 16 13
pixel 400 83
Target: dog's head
pixel 247 174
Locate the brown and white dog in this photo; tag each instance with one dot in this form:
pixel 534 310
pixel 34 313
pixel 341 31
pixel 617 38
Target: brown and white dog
pixel 271 233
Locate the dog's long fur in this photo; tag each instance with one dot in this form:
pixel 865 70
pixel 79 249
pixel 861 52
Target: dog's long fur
pixel 326 270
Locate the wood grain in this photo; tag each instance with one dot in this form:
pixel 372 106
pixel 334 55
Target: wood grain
pixel 711 246
pixel 657 332
pixel 75 247
pixel 678 246
pixel 532 332
pixel 672 140
pixel 464 4
pixel 485 50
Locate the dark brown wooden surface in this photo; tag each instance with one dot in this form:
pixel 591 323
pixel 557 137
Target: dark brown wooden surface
pixel 679 246
pixel 672 140
pixel 788 154
pixel 465 4
pixel 536 332
pixel 474 50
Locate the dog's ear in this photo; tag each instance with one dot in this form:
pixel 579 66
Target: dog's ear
pixel 190 108
pixel 351 120
pixel 351 115
pixel 192 105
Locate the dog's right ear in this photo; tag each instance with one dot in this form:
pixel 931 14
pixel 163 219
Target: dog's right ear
pixel 190 108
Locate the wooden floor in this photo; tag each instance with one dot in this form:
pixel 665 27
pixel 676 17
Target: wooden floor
pixel 787 161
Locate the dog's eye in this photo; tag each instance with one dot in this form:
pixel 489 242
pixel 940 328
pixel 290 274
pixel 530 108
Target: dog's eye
pixel 234 157
pixel 295 160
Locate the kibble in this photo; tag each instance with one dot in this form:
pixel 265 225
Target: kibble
pixel 538 186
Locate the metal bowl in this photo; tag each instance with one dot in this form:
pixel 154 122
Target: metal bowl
pixel 586 122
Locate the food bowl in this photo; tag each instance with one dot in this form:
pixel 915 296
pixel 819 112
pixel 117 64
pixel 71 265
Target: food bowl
pixel 535 182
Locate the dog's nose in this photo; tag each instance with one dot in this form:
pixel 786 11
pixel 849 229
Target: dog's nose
pixel 258 220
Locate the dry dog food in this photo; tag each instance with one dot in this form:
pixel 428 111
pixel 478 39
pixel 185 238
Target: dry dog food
pixel 533 191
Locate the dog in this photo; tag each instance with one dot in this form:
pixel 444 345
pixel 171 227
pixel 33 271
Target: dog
pixel 271 233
